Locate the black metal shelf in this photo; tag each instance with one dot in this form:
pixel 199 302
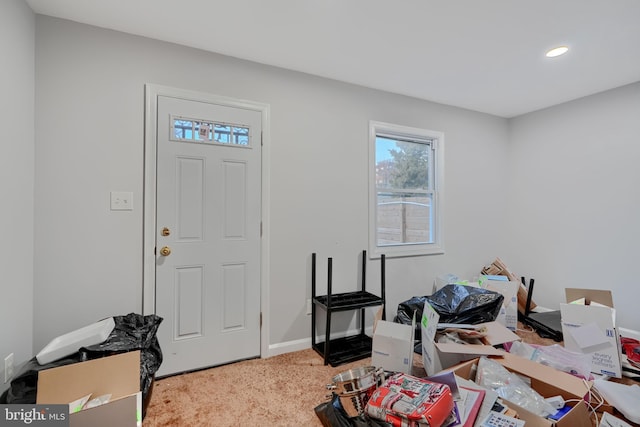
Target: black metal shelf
pixel 348 349
pixel 348 300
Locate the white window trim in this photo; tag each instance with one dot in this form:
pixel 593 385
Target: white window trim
pixel 437 247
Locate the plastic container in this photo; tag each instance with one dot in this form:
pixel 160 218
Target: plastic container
pixel 69 343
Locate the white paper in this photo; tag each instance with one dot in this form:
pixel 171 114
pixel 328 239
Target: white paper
pixel 589 337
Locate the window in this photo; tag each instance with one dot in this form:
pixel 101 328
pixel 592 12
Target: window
pixel 193 130
pixel 405 190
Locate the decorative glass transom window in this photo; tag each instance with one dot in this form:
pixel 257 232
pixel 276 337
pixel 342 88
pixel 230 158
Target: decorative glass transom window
pixel 186 129
pixel 405 189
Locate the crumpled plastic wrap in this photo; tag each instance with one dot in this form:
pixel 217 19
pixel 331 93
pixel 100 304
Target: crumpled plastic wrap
pixel 556 356
pixel 509 386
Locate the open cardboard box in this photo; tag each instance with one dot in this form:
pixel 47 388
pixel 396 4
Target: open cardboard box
pixel 439 356
pixel 548 382
pixel 118 375
pixel 589 327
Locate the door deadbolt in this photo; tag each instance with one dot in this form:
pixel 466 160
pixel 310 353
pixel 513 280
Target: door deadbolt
pixel 165 231
pixel 165 251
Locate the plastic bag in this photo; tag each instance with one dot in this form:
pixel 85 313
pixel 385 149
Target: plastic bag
pixel 556 356
pixel 496 377
pixel 466 304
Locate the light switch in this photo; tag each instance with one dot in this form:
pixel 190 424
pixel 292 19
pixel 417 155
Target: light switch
pixel 121 201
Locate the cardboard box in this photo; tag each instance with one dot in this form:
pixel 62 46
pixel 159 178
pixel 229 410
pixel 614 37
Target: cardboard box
pixel 548 382
pixel 392 347
pixel 439 356
pixel 117 375
pixel 588 327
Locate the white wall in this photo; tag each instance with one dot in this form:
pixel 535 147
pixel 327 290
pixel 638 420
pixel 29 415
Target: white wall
pixel 574 199
pixel 17 26
pixel 89 141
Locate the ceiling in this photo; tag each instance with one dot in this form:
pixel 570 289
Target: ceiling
pixel 483 55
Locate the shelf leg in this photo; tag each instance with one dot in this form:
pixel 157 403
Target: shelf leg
pixel 313 304
pixel 327 338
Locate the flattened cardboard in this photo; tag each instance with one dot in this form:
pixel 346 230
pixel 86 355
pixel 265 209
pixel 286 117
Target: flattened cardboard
pixel 498 334
pixel 118 375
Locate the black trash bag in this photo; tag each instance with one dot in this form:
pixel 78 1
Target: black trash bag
pixel 407 309
pixel 466 304
pixel 23 387
pixel 331 414
pixel 131 332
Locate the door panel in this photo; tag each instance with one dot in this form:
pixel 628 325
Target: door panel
pixel 208 196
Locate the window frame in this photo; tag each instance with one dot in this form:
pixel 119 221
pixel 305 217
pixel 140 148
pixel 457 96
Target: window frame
pixel 436 141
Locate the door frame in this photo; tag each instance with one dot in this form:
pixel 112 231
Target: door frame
pixel 152 92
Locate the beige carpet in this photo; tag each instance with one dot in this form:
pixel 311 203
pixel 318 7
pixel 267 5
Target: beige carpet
pixel 279 391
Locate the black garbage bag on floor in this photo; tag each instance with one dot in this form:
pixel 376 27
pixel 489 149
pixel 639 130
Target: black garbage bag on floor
pixel 24 386
pixel 131 332
pixel 409 308
pixel 466 304
pixel 331 414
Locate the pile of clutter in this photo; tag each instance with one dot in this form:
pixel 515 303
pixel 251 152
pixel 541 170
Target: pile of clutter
pixel 453 359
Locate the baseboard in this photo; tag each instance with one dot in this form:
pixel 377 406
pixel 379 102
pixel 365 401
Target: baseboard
pixel 288 347
pixel 305 343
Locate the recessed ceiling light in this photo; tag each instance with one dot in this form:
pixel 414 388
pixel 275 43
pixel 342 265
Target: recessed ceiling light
pixel 557 51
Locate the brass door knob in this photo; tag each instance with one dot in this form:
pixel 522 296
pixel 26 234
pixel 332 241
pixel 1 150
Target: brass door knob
pixel 165 251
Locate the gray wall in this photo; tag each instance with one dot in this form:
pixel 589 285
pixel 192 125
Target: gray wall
pixel 17 26
pixel 574 201
pixel 89 133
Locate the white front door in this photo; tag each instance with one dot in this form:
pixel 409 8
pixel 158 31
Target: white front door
pixel 208 215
